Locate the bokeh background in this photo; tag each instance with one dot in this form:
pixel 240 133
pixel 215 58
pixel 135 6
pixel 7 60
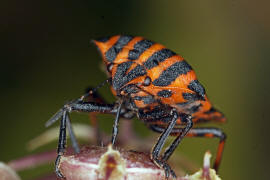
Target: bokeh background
pixel 47 59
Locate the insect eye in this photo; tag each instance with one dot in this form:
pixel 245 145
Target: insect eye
pixel 110 67
pixel 147 81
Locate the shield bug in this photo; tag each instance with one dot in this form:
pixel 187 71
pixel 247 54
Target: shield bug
pixel 154 84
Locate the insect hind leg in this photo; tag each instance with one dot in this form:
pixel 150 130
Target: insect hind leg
pixel 169 151
pixel 207 132
pixel 159 145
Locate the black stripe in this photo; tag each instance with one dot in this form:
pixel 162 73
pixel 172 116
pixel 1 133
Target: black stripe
pixel 210 111
pixel 139 48
pixel 213 110
pixel 197 87
pixel 103 39
pixel 153 114
pixel 192 97
pixel 183 104
pixel 117 47
pixel 120 79
pixel 121 70
pixel 158 57
pixel 131 89
pixel 171 73
pixel 165 93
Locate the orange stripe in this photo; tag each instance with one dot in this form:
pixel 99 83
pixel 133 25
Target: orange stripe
pixel 105 46
pixel 123 54
pixel 149 52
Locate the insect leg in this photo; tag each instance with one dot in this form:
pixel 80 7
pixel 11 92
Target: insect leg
pixel 160 143
pixel 210 133
pixel 72 136
pixel 61 144
pixel 116 122
pixel 168 152
pixel 94 97
pixel 201 132
pixel 69 107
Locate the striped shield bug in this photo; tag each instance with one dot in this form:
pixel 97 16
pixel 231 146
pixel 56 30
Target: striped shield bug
pixel 156 85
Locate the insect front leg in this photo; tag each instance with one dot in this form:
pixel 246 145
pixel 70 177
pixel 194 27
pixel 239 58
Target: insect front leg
pixel 73 140
pixel 78 106
pixel 93 96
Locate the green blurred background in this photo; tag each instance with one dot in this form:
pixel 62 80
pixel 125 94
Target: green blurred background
pixel 47 59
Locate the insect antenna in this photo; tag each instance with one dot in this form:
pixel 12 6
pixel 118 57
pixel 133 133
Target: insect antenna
pixel 93 90
pixel 59 113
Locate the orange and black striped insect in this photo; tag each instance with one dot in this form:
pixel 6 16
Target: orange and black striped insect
pixel 155 84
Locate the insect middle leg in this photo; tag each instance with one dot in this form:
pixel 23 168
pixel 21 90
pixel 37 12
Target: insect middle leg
pixel 196 132
pixel 93 96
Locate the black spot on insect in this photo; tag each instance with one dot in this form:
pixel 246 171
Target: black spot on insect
pixel 196 86
pixel 147 81
pixel 145 99
pixel 130 89
pixel 165 93
pixel 192 97
pixel 171 73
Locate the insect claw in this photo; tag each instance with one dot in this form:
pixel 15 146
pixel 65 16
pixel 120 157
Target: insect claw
pixel 57 170
pixel 167 169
